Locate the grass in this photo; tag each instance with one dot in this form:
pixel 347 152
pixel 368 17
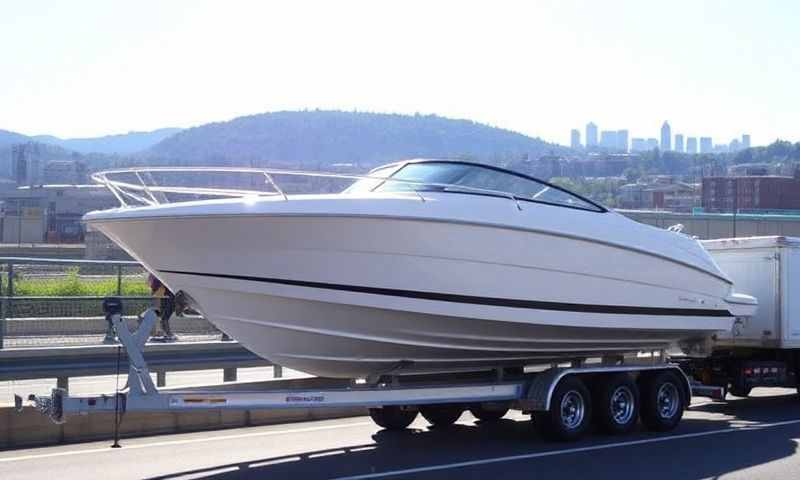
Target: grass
pixel 73 285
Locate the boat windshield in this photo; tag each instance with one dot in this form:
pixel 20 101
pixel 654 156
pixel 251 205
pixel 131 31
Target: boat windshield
pixel 427 174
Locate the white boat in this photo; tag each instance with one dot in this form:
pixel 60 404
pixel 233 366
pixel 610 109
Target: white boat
pixel 423 265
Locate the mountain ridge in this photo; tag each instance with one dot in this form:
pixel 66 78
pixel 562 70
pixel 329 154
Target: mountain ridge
pixel 317 138
pixel 115 144
pixel 121 144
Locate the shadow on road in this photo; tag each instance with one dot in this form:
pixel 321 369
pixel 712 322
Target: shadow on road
pixel 691 458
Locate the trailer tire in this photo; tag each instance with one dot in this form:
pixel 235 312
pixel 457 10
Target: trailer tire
pixel 484 414
pixel 441 415
pixel 662 401
pixel 570 412
pixel 392 417
pixel 617 401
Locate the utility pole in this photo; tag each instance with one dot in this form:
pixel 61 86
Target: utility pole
pixel 735 203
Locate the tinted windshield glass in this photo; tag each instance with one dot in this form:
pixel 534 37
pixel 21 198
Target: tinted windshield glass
pixel 427 175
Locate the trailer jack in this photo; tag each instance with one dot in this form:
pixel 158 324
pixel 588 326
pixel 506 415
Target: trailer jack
pixel 139 383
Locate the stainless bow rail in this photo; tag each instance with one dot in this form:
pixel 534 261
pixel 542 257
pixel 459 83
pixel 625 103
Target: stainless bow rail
pixel 145 191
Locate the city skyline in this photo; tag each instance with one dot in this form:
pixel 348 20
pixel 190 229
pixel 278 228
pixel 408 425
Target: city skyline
pixel 90 68
pixel 618 140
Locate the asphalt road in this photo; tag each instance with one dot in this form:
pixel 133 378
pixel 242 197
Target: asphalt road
pixel 745 438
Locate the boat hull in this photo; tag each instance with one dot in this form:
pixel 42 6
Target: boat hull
pixel 353 295
pixel 344 340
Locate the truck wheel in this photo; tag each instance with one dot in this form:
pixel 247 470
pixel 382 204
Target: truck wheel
pixel 570 411
pixel 616 403
pixel 441 415
pixel 392 417
pixel 489 412
pixel 662 401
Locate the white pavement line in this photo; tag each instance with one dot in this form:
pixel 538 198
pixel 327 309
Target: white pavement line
pixel 552 453
pixel 180 442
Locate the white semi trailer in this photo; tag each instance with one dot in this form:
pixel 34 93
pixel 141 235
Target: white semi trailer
pixel 763 350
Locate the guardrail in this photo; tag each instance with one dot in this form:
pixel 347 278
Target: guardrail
pixel 50 302
pixel 65 362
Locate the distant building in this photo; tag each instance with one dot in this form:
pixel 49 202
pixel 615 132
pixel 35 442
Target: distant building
pixel 65 172
pixel 50 213
pixel 679 143
pixel 26 164
pixel 622 141
pixel 735 146
pixel 706 145
pixel 745 141
pixel 664 194
pixel 608 139
pixel 638 145
pixel 726 194
pixel 575 138
pixel 749 170
pixel 591 135
pixel 666 137
pixel 691 145
pixel 652 144
pixel 721 148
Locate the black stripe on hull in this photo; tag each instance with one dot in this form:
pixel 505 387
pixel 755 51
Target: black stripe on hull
pixel 474 300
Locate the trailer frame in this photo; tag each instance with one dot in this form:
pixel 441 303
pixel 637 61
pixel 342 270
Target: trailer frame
pixel 530 391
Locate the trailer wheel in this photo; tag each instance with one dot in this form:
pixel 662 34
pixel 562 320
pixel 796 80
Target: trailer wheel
pixel 570 411
pixel 662 401
pixel 441 415
pixel 616 403
pixel 488 413
pixel 392 417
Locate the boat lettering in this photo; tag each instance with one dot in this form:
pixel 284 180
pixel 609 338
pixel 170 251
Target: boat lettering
pixel 304 398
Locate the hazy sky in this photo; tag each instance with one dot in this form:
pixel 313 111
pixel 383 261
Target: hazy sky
pixel 719 68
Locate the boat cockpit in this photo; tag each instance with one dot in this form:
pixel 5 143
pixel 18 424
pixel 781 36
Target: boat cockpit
pixel 470 178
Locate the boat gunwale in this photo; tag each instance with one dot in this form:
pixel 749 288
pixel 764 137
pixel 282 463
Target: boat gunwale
pixel 128 218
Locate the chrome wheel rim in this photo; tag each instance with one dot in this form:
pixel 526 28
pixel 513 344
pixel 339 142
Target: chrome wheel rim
pixel 668 400
pixel 573 409
pixel 622 405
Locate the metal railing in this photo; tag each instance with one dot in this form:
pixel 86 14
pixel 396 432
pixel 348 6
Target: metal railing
pixel 146 191
pixel 57 302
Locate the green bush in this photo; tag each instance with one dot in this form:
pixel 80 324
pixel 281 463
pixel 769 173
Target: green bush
pixel 73 285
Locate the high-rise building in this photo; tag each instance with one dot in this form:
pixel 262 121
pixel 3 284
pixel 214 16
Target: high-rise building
pixel 745 141
pixel 706 145
pixel 575 138
pixel 679 143
pixel 638 144
pixel 666 137
pixel 26 164
pixel 652 143
pixel 735 145
pixel 622 140
pixel 591 135
pixel 608 139
pixel 691 145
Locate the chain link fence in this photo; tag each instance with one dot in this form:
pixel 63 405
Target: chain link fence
pixel 50 302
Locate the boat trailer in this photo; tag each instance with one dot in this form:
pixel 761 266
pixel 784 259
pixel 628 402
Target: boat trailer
pixel 499 389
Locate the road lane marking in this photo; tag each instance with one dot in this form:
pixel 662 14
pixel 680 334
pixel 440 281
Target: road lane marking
pixel 182 442
pixel 551 453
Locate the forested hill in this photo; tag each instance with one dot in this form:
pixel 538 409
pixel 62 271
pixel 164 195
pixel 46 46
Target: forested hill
pixel 9 138
pixel 122 144
pixel 318 139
